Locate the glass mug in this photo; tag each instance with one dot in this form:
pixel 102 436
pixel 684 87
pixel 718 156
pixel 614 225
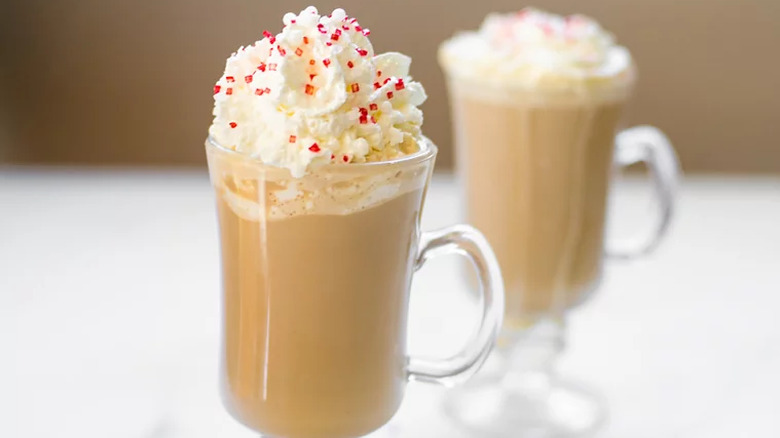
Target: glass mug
pixel 536 168
pixel 316 278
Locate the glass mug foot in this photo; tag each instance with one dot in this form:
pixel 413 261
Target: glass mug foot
pixel 534 408
pixel 519 393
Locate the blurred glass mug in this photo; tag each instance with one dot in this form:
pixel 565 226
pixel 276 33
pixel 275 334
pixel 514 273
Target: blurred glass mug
pixel 316 277
pixel 536 168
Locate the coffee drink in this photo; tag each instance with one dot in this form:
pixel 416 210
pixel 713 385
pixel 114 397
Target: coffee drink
pixel 534 136
pixel 315 300
pixel 320 169
pixel 537 101
pixel 542 205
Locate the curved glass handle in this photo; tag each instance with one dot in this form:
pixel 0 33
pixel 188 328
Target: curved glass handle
pixel 467 241
pixel 648 145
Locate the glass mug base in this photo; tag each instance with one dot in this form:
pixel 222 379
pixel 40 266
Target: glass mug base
pixel 533 408
pixel 518 392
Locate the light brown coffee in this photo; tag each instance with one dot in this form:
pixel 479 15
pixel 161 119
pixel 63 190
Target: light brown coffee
pixel 536 177
pixel 315 312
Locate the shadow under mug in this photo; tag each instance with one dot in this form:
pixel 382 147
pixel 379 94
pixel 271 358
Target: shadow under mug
pixel 316 273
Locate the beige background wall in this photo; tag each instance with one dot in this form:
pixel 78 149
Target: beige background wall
pixel 121 81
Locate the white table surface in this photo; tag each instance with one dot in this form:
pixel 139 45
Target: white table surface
pixel 109 295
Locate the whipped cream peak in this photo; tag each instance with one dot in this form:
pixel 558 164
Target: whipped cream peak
pixel 534 48
pixel 316 94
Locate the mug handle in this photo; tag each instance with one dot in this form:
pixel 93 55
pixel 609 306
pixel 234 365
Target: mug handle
pixel 648 145
pixel 469 242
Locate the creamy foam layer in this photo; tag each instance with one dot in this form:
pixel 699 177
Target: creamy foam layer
pixel 316 94
pixel 535 50
pixel 275 195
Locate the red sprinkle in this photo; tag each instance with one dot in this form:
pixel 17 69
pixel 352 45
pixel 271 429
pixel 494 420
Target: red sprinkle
pixel 400 85
pixel 332 156
pixel 230 78
pixel 298 51
pixel 350 64
pixel 386 81
pixel 216 89
pixel 267 34
pixel 345 158
pixel 345 27
pixel 321 28
pixel 358 28
pixel 281 50
pixel 314 148
pixel 373 120
pixel 305 40
pixel 328 44
pixel 259 92
pixel 363 120
pixel 248 79
pixel 366 32
pixel 362 52
pixel 311 62
pixel 355 88
pixel 267 90
pixel 261 67
pixel 326 61
pixel 363 112
pixel 374 107
pixel 309 89
pixel 293 138
pixel 335 36
pixel 378 73
pixel 312 76
pixel 229 91
pixel 377 85
pixel 389 94
pixel 233 124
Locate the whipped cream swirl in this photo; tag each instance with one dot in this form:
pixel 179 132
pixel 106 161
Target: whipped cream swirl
pixel 536 49
pixel 316 94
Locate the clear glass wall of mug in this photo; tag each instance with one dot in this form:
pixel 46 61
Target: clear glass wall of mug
pixel 316 275
pixel 536 168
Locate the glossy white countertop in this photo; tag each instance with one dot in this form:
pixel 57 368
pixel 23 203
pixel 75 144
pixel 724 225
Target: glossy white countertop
pixel 109 295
